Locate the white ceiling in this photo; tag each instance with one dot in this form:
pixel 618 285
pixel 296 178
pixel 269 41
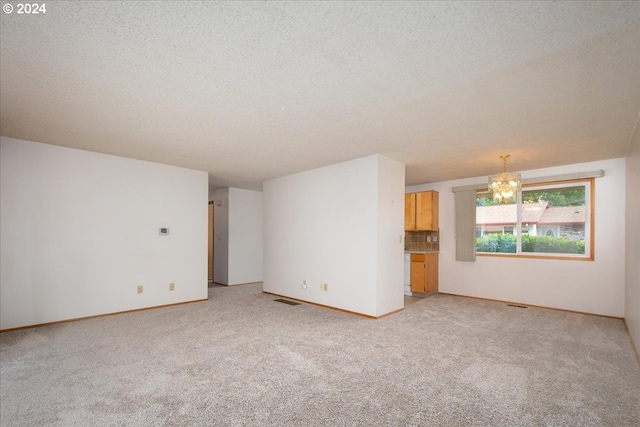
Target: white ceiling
pixel 250 91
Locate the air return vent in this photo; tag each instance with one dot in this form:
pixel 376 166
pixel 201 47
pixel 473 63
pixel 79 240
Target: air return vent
pixel 517 306
pixel 284 301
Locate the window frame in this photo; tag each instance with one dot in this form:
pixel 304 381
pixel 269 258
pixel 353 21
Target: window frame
pixel 589 238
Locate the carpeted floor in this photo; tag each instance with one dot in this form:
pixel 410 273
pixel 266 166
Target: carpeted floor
pixel 242 359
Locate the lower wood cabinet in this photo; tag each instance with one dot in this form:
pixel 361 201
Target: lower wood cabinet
pixel 424 273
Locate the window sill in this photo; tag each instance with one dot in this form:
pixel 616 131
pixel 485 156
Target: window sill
pixel 535 256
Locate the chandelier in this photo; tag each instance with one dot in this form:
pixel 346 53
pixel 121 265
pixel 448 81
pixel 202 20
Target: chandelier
pixel 505 185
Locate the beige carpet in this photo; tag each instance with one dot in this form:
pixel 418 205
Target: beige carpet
pixel 242 359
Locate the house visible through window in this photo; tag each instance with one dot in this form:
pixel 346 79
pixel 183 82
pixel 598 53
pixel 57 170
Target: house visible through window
pixel 548 220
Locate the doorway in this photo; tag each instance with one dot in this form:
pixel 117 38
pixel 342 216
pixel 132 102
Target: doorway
pixel 210 244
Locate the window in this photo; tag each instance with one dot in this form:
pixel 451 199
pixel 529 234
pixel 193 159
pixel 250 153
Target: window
pixel 549 220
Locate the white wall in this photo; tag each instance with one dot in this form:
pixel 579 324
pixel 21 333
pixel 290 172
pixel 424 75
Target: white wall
pixel 632 276
pixel 390 261
pixel 586 286
pixel 337 225
pixel 79 233
pixel 238 236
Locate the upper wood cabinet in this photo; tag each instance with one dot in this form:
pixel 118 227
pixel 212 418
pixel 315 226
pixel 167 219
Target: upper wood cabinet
pixel 410 212
pixel 421 211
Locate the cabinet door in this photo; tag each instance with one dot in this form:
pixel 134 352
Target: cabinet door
pixel 431 272
pixel 418 274
pixel 435 210
pixel 427 210
pixel 410 212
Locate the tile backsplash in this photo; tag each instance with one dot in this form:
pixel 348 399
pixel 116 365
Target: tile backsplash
pixel 421 240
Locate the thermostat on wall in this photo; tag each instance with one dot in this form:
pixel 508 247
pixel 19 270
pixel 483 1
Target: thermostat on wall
pixel 163 231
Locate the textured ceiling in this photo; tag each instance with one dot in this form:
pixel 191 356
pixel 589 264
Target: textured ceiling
pixel 250 91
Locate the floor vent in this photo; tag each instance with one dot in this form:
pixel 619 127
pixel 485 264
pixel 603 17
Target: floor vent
pixel 284 301
pixel 518 306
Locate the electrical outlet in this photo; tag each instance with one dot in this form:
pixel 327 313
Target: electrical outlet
pixel 172 286
pixel 428 239
pixel 435 239
pixel 140 289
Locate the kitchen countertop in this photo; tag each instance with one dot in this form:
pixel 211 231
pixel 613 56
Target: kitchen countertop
pixel 421 252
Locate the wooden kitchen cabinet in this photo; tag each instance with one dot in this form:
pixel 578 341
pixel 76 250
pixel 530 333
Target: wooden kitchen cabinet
pixel 421 211
pixel 424 273
pixel 410 212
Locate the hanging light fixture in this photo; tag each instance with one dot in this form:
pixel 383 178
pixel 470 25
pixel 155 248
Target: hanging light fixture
pixel 505 185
